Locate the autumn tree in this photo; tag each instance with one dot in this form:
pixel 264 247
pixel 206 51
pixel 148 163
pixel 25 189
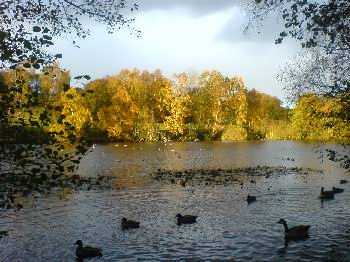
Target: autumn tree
pixel 324 28
pixel 134 105
pixel 27 30
pixel 216 102
pixel 318 117
pixel 52 82
pixel 265 112
pixel 73 115
pixel 119 117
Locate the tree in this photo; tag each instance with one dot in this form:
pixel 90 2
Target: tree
pixel 216 102
pixel 27 29
pixel 119 118
pixel 317 117
pixel 74 113
pixel 324 25
pixel 53 82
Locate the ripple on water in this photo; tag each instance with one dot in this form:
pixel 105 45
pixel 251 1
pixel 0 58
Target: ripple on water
pixel 227 226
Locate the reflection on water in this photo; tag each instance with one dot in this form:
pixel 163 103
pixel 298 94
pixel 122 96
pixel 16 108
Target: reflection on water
pixel 227 227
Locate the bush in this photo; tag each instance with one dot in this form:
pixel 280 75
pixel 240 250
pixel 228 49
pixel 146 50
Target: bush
pixel 95 135
pixel 234 133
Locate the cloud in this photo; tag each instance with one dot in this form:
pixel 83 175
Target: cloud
pixel 233 30
pixel 236 30
pixel 196 7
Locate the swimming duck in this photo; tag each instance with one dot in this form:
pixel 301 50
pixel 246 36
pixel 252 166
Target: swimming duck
pixel 337 190
pixel 294 233
pixel 86 252
pixel 326 194
pixel 182 183
pixel 3 233
pixel 186 219
pixel 343 181
pixel 127 224
pixel 251 199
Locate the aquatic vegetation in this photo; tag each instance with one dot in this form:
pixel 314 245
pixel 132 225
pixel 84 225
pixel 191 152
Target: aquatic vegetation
pixel 223 176
pixel 13 186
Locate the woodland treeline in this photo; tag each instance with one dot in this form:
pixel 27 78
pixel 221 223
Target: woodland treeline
pixel 142 106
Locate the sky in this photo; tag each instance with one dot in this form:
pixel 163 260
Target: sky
pixel 186 35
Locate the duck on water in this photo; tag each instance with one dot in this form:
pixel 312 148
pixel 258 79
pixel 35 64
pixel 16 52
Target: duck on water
pixel 128 224
pixel 251 199
pixel 337 190
pixel 186 219
pixel 86 252
pixel 294 233
pixel 329 194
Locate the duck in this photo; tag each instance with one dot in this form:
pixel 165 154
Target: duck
pixel 294 233
pixel 182 183
pixel 326 194
pixel 343 181
pixel 251 199
pixel 86 252
pixel 186 219
pixel 337 190
pixel 127 224
pixel 3 233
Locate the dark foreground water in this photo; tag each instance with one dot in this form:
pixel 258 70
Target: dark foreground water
pixel 227 228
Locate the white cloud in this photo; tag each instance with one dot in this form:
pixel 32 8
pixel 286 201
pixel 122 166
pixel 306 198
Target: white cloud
pixel 197 7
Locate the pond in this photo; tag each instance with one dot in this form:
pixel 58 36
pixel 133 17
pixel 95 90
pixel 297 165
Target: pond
pixel 227 229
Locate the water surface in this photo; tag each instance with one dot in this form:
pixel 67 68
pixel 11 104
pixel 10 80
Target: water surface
pixel 227 227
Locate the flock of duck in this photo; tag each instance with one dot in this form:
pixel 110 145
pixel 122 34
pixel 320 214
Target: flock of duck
pixel 83 252
pixel 299 232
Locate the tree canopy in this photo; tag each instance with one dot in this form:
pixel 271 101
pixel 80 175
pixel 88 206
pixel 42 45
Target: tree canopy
pixel 39 117
pixel 320 25
pixel 28 27
pixel 324 28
